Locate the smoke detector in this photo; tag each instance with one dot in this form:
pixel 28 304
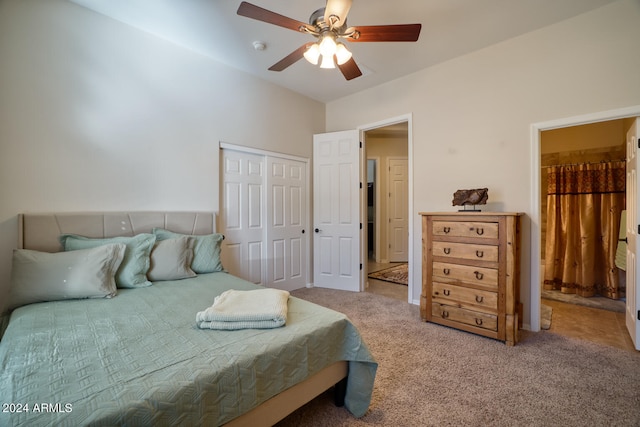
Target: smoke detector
pixel 258 45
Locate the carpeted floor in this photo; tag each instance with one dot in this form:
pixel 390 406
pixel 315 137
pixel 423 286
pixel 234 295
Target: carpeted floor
pixel 430 375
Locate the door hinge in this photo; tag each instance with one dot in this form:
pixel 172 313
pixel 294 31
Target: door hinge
pixel 361 186
pixel 360 266
pixel 360 226
pixel 639 229
pixel 638 310
pixel 360 144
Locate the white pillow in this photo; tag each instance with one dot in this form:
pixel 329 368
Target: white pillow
pixel 171 259
pixel 85 273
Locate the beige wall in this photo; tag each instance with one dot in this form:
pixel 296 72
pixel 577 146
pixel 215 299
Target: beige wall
pixel 95 115
pixel 599 135
pixel 472 116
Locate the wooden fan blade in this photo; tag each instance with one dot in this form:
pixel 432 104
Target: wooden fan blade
pixel 290 59
pixel 387 33
pixel 339 9
pixel 256 12
pixel 350 69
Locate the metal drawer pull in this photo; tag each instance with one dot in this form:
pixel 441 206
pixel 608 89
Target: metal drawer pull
pixel 447 230
pixel 447 251
pixel 478 322
pixel 446 292
pixel 445 314
pixel 479 254
pixel 479 275
pixel 479 298
pixel 446 271
pixel 479 231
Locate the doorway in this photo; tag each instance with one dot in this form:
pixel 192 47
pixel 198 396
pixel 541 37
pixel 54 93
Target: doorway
pixel 387 206
pixel 535 231
pixel 581 147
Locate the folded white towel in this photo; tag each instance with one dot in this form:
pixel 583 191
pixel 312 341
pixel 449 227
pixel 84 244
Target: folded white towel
pixel 254 309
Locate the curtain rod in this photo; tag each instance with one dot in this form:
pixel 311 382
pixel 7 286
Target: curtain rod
pixel 586 163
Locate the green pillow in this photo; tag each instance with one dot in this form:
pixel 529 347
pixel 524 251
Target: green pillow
pixel 206 250
pixel 42 276
pixel 133 270
pixel 171 259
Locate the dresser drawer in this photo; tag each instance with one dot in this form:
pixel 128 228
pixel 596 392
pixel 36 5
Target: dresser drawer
pixel 465 251
pixel 451 294
pixel 485 230
pixel 462 315
pixel 448 273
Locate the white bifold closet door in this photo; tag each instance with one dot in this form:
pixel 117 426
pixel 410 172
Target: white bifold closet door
pixel 264 218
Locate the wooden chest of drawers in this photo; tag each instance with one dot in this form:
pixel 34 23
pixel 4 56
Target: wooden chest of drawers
pixel 471 272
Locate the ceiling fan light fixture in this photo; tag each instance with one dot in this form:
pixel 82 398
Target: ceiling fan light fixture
pixel 328 46
pixel 312 54
pixel 328 25
pixel 342 54
pixel 327 62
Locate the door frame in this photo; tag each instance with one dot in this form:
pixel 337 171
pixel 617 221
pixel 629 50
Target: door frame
pixel 363 202
pixel 536 129
pixel 266 153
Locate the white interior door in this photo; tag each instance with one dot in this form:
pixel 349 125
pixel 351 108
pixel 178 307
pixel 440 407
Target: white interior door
pixel 398 208
pixel 265 217
pixel 242 215
pixel 286 216
pixel 336 210
pixel 633 229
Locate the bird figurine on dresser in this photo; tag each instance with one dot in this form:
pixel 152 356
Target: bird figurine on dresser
pixel 472 197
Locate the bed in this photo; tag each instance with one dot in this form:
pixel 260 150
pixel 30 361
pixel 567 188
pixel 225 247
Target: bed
pixel 138 358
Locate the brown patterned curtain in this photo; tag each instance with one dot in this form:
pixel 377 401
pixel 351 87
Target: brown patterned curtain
pixel 583 220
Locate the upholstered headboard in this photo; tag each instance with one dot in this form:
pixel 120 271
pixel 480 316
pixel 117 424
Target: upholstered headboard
pixel 40 231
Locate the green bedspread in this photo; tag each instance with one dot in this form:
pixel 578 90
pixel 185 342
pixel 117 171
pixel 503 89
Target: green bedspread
pixel 139 359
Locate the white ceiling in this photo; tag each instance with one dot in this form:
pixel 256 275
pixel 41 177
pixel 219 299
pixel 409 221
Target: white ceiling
pixel 450 28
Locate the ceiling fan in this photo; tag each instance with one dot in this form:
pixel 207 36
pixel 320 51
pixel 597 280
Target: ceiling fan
pixel 327 25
